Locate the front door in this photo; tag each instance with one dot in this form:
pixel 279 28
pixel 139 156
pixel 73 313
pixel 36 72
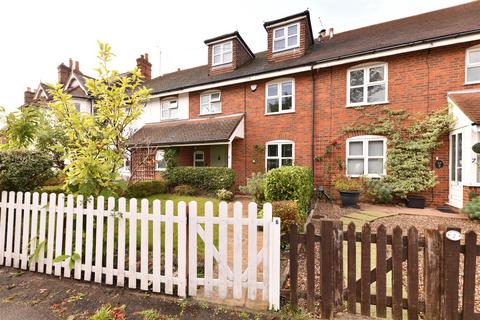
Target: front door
pixel 218 156
pixel 455 195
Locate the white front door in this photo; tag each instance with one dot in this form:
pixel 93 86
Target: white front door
pixel 455 195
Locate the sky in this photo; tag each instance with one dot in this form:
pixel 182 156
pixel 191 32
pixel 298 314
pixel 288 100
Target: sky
pixel 36 36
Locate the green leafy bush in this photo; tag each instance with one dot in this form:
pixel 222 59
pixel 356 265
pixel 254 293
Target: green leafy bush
pixel 343 183
pixel 143 189
pixel 58 178
pixel 185 190
pixel 380 190
pixel 52 189
pixel 288 212
pixel 255 187
pixel 206 179
pixel 23 170
pixel 225 195
pixel 290 183
pixel 472 208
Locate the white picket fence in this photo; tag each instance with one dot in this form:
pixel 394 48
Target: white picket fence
pixel 115 243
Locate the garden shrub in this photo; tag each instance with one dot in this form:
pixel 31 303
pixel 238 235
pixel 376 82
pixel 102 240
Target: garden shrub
pixel 143 189
pixel 58 178
pixel 472 208
pixel 347 184
pixel 290 183
pixel 255 187
pixel 209 179
pixel 288 212
pixel 24 170
pixel 185 190
pixel 225 195
pixel 52 189
pixel 382 192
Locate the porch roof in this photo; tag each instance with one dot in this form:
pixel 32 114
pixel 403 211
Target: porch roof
pixel 183 132
pixel 469 103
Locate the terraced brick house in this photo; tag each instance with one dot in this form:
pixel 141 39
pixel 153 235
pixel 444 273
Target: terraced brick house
pixel 257 111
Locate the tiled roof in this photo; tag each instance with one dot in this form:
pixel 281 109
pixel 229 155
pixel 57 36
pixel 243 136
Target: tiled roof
pixel 469 103
pixel 202 130
pixel 441 24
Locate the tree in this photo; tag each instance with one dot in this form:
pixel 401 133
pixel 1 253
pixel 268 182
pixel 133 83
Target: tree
pixel 97 143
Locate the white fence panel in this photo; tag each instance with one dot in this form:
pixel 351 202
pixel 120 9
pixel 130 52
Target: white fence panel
pixel 93 235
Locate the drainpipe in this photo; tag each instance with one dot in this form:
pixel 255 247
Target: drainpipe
pixel 313 121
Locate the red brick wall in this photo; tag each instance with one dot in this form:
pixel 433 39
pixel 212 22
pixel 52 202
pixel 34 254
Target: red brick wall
pixel 305 42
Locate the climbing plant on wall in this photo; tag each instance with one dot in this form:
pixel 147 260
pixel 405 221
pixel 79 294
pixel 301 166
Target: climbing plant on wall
pixel 411 139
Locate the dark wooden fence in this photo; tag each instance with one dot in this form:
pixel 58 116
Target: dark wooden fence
pixel 398 253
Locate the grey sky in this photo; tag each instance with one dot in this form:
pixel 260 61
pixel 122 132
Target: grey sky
pixel 36 36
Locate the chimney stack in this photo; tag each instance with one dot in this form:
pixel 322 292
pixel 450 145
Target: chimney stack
pixel 77 66
pixel 145 66
pixel 28 96
pixel 63 73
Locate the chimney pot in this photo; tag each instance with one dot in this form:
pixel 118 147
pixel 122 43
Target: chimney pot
pixel 146 56
pixel 70 63
pixel 145 66
pixel 330 32
pixel 77 66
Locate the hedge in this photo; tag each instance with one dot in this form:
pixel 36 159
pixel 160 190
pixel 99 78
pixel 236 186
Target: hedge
pixel 24 170
pixel 290 183
pixel 146 188
pixel 210 179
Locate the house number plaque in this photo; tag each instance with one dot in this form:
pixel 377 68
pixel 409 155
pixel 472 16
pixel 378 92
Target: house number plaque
pixel 453 235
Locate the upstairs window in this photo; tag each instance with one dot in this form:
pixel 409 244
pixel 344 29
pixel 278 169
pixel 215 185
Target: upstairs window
pixel 366 156
pixel 286 38
pixel 279 154
pixel 280 97
pixel 367 85
pixel 169 109
pixel 210 103
pixel 222 53
pixel 472 66
pixel 160 163
pixel 199 159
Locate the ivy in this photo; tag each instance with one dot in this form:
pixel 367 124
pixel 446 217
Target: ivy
pixel 411 139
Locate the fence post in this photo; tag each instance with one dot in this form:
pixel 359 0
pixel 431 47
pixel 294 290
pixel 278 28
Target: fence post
pixel 451 261
pixel 469 275
pixel 327 274
pixel 293 264
pixel 338 262
pixel 274 267
pixel 432 274
pixel 310 250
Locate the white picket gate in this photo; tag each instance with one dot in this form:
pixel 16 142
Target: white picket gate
pixel 52 233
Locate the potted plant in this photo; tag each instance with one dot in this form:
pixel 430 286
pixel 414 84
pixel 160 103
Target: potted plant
pixel 349 190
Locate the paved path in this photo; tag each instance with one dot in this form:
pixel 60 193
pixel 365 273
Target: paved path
pixel 10 311
pixel 432 212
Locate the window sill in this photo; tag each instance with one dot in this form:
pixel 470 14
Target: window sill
pixel 279 113
pixel 360 105
pixel 470 83
pixel 376 176
pixel 209 114
pixel 285 50
pixel 220 65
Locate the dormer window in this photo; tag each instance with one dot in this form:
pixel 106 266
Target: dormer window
pixel 210 103
pixel 222 53
pixel 286 38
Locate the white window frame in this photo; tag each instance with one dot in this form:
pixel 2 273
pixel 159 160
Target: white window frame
pixel 471 65
pixel 209 94
pixel 279 96
pixel 285 37
pixel 157 168
pixel 365 156
pixel 195 159
pixel 222 52
pixel 366 83
pixel 279 144
pixel 168 100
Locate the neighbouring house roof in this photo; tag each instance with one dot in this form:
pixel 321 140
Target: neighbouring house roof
pixel 469 103
pixel 436 25
pixel 179 132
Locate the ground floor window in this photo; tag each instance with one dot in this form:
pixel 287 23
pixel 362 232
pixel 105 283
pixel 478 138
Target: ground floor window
pixel 199 159
pixel 160 163
pixel 279 154
pixel 366 156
